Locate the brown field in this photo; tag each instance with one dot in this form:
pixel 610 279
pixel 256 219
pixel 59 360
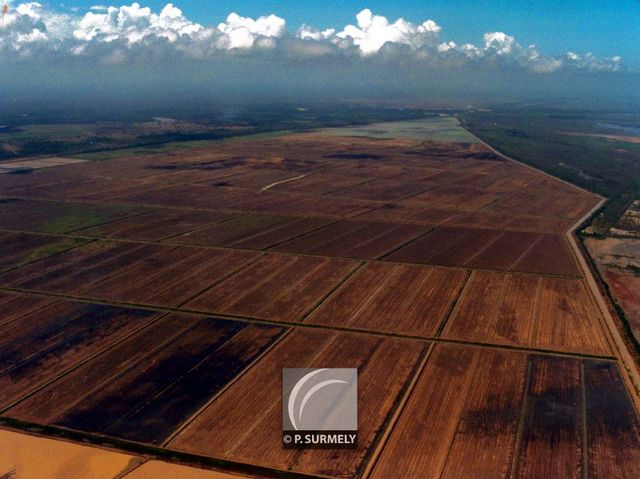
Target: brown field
pixel 15 306
pixel 156 225
pixel 490 249
pixel 353 239
pixel 278 287
pixel 19 249
pixel 318 184
pixel 411 213
pixel 251 231
pixel 236 429
pixel 489 354
pixel 68 333
pixel 428 294
pixel 385 190
pixel 141 273
pixel 165 378
pixel 65 218
pixel 544 313
pixel 460 420
pixel 457 197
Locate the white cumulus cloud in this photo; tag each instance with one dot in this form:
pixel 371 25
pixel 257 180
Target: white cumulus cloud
pixel 373 31
pixel 117 34
pixel 243 32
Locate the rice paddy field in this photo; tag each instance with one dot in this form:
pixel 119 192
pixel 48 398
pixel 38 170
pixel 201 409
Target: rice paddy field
pixel 149 303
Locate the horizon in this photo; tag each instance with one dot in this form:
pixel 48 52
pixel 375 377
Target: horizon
pixel 152 49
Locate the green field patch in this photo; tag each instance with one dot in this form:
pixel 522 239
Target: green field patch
pixel 76 217
pixel 437 128
pixel 57 245
pixel 172 146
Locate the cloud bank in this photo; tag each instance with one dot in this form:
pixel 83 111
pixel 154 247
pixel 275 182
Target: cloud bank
pixel 110 35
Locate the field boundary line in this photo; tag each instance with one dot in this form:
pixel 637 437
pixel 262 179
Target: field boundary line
pixel 515 460
pixel 175 456
pixel 453 308
pixel 505 156
pixel 468 384
pixel 524 253
pixel 86 360
pixel 249 319
pixel 429 229
pixel 317 354
pixel 269 251
pixel 201 227
pixel 181 427
pixel 585 430
pixel 295 237
pixel 631 374
pixel 372 462
pixel 329 293
pixel 133 216
pixel 342 188
pixel 224 277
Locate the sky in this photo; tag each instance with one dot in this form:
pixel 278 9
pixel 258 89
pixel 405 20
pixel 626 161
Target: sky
pixel 604 28
pixel 517 48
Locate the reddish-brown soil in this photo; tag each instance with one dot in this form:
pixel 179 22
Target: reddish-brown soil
pixel 427 296
pixel 277 287
pixel 530 423
pixel 490 357
pixel 231 428
pixel 353 239
pixel 544 313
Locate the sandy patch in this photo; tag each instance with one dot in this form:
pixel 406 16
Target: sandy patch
pixel 29 457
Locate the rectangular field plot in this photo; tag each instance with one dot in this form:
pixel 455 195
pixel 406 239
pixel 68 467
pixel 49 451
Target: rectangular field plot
pixel 252 231
pixel 370 299
pixel 85 188
pixel 22 185
pixel 146 386
pixel 277 287
pixel 318 184
pixel 490 249
pixel 509 221
pixel 538 312
pixel 547 203
pixel 13 209
pixel 237 428
pixel 127 272
pixel 411 213
pixel 17 249
pixel 157 225
pixel 353 239
pixel 277 203
pixel 459 197
pixel 67 217
pixel 508 414
pixel 385 190
pixel 553 431
pixel 188 196
pixel 611 422
pixel 38 347
pixel 14 306
pixel 550 254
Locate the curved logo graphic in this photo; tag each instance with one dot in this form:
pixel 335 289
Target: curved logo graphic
pixel 315 388
pixel 324 399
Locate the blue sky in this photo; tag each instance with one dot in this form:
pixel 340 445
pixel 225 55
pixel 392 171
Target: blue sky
pixel 602 27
